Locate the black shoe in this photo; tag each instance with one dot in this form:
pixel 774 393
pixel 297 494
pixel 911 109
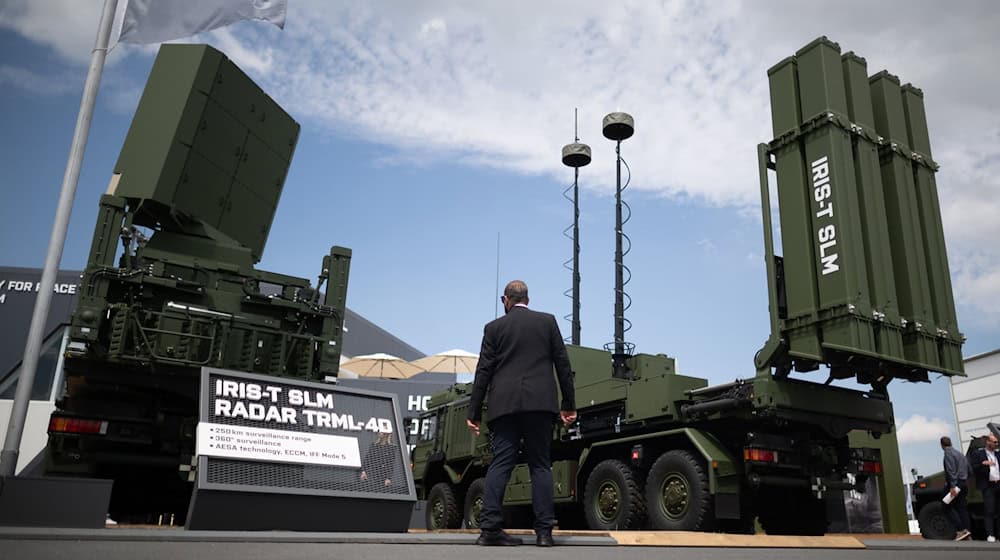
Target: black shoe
pixel 544 538
pixel 496 538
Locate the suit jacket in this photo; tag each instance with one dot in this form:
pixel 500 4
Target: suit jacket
pixel 982 471
pixel 956 467
pixel 516 360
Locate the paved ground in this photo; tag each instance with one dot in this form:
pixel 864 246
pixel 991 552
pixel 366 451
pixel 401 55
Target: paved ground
pixel 104 550
pixel 157 544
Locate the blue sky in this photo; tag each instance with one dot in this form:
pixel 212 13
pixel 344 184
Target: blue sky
pixel 428 129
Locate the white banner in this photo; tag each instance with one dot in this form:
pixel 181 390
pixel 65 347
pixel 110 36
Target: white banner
pixel 155 21
pixel 262 444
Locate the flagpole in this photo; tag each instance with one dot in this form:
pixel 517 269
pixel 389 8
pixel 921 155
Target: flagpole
pixel 15 427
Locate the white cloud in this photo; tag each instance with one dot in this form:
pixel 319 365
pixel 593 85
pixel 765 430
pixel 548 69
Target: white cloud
pixel 36 84
pixel 68 26
pixel 495 84
pixel 918 428
pixel 258 61
pixel 434 29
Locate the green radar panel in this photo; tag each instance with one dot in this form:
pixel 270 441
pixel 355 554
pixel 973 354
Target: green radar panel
pixel 208 149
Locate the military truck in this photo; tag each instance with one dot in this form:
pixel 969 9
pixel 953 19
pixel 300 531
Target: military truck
pixel 170 284
pixel 667 451
pixel 862 292
pixel 931 513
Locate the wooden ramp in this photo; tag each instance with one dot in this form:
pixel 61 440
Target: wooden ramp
pixel 690 538
pixel 695 539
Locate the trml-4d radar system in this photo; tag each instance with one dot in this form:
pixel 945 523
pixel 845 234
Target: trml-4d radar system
pixel 862 288
pixel 170 284
pixel 863 284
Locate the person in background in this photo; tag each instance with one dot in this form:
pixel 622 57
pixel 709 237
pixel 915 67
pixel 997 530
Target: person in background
pixel 956 474
pixel 379 465
pixel 986 465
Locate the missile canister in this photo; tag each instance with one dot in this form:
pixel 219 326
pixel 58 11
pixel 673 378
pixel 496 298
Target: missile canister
pixel 865 287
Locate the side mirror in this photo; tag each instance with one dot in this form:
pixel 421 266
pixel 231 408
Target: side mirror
pixel 409 423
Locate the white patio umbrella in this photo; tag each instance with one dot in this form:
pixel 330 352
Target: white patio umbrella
pixel 385 366
pixel 451 361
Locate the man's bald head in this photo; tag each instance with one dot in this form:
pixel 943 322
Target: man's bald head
pixel 516 292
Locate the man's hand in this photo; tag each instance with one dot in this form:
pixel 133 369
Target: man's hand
pixel 953 491
pixel 473 425
pixel 568 416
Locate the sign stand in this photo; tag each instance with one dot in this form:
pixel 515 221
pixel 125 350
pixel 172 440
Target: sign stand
pixel 279 454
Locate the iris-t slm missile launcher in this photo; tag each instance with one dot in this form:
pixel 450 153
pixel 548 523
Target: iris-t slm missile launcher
pixel 862 288
pixel 170 284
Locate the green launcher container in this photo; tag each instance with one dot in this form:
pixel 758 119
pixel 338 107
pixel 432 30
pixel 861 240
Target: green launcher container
pixel 206 146
pixel 864 286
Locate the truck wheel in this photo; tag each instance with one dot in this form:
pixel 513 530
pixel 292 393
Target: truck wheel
pixel 934 522
pixel 442 508
pixel 612 499
pixel 474 503
pixel 677 495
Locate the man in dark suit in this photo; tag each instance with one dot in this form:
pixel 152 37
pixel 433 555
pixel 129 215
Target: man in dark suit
pixel 514 374
pixel 986 465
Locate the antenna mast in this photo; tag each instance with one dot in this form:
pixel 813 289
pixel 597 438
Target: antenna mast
pixel 618 127
pixel 575 155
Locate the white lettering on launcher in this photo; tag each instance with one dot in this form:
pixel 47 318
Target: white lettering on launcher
pixel 825 234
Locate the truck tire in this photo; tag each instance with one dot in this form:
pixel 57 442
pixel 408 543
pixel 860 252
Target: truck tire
pixel 677 494
pixel 612 500
pixel 473 503
pixel 934 522
pixel 442 508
